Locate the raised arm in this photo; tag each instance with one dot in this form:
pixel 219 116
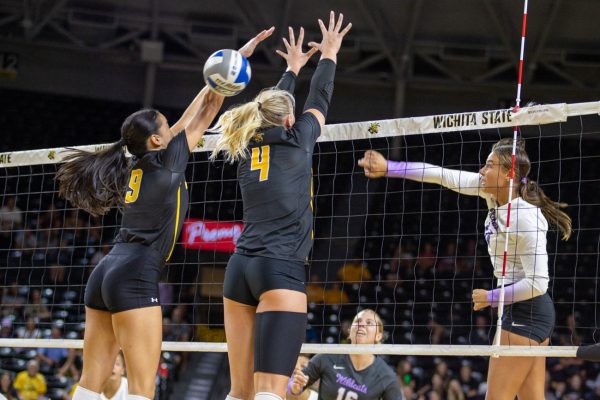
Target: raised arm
pixel 376 166
pixel 321 85
pixel 295 59
pixel 206 104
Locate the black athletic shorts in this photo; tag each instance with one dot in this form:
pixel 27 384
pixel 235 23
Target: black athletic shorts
pixel 532 318
pixel 126 278
pixel 247 277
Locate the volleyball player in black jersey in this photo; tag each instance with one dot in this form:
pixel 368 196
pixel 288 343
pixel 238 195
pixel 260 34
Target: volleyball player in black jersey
pixel 355 376
pixel 264 294
pixel 121 297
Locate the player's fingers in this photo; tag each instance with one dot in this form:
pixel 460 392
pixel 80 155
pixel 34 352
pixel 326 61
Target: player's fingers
pixel 281 53
pixel 322 26
pixel 315 45
pixel 300 37
pixel 265 34
pixel 331 20
pixel 311 52
pixel 286 44
pixel 346 29
pixel 340 20
pixel 292 36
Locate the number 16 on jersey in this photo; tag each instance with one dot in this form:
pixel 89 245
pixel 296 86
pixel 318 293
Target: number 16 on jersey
pixel 260 161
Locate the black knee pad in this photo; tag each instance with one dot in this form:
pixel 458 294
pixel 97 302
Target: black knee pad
pixel 278 337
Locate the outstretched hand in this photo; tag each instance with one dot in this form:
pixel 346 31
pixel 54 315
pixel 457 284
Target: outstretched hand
pixel 293 55
pixel 247 49
pixel 332 36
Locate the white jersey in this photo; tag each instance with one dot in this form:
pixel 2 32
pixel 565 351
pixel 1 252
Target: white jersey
pixel 527 257
pixel 121 393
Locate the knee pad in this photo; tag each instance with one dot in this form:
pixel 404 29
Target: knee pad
pixel 278 337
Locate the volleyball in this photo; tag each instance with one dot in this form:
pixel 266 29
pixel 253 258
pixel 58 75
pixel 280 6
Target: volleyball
pixel 227 72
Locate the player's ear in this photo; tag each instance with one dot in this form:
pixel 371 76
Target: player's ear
pixel 154 141
pixel 288 121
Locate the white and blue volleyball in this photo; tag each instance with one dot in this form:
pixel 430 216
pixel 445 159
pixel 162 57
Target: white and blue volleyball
pixel 227 72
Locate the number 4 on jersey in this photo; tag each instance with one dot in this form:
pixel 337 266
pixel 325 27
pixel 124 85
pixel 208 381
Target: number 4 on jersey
pixel 260 161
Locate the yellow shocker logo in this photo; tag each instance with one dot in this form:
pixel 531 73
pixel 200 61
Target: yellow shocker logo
pixel 374 128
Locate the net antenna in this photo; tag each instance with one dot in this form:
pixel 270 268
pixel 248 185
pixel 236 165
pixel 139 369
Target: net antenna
pixel 512 178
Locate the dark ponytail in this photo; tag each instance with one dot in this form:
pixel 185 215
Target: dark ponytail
pixel 529 190
pixel 532 193
pixel 96 181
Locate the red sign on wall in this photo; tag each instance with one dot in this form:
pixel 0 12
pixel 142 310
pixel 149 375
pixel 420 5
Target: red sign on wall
pixel 211 235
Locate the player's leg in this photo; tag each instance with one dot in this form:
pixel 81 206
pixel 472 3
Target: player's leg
pixel 533 385
pixel 239 329
pixel 280 331
pixel 100 350
pixel 131 293
pixel 280 322
pixel 507 374
pixel 100 346
pixel 139 333
pixel 240 309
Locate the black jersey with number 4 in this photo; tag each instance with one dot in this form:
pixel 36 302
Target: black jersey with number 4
pixel 156 200
pixel 340 381
pixel 276 185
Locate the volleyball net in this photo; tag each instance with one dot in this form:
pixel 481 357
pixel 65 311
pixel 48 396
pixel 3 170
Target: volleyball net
pixel 413 252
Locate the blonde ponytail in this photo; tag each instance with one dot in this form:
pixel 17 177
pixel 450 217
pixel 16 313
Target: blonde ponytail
pixel 239 124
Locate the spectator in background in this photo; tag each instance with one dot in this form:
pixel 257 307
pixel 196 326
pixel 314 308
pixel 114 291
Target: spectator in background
pixel 575 388
pixel 468 380
pixel 314 289
pixel 180 328
pixel 115 388
pixel 455 391
pixel 335 295
pixel 11 213
pixel 52 358
pixel 30 330
pixel 35 308
pixel 447 263
pixel 6 331
pixel 480 332
pixel 354 271
pixel 427 258
pixel 30 384
pixel 6 387
pixel 12 301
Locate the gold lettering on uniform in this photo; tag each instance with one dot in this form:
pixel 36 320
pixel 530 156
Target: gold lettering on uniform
pixel 135 183
pixel 260 161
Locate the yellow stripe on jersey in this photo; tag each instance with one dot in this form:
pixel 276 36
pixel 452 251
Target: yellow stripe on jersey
pixel 312 231
pixel 176 223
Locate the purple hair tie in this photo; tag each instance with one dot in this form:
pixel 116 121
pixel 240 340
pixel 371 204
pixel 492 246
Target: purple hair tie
pixel 524 180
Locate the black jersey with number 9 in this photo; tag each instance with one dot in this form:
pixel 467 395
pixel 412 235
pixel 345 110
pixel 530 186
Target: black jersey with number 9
pixel 156 199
